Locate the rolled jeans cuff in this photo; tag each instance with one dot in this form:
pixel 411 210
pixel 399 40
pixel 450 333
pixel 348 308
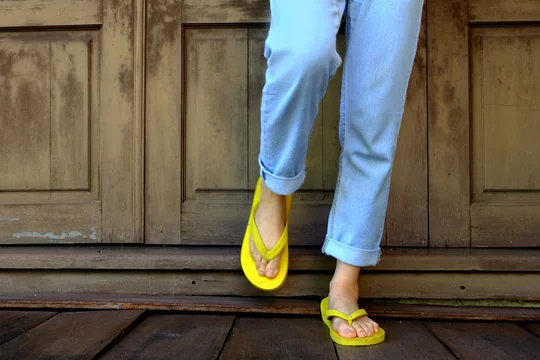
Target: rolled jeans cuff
pixel 281 185
pixel 349 254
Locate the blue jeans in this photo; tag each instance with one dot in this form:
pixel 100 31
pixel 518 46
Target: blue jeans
pixel 382 37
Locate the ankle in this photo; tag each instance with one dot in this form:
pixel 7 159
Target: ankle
pixel 344 287
pixel 268 195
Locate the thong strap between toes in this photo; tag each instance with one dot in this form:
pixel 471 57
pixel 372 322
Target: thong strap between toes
pixel 349 318
pixel 265 253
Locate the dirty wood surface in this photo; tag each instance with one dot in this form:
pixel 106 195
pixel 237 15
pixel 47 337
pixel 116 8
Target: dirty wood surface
pixel 128 334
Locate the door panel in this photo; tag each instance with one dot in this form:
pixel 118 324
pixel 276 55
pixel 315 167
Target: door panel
pixel 30 13
pixel 489 145
pixel 205 73
pixel 505 121
pixel 66 96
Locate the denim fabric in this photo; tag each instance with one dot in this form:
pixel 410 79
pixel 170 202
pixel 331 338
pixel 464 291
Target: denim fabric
pixel 381 38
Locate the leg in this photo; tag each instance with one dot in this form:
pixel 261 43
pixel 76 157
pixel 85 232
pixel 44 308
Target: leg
pixel 382 38
pixel 301 55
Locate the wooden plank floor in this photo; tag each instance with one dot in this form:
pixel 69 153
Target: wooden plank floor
pixel 138 334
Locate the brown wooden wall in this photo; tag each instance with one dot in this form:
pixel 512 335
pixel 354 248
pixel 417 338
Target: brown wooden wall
pixel 134 121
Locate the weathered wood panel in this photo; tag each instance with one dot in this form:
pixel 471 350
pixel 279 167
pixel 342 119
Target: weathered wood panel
pixel 70 335
pixel 475 309
pixel 226 258
pixel 16 13
pixel 174 337
pixel 256 81
pixel 15 323
pixel 448 126
pixel 506 107
pixel 505 226
pixel 216 113
pixel 451 285
pixel 414 340
pixel 505 170
pixel 163 138
pixel 486 340
pixel 50 223
pixel 310 340
pixel 234 11
pixel 120 142
pixel 407 214
pixel 24 98
pixel 70 114
pixel 503 10
pixel 534 328
pixel 50 84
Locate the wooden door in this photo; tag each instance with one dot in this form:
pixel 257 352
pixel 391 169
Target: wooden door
pixel 204 77
pixel 484 123
pixel 70 136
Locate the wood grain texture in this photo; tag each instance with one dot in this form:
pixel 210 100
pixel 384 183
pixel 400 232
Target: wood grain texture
pixel 70 335
pixel 70 114
pixel 506 104
pixel 50 223
pixel 486 340
pixel 25 102
pixel 15 323
pixel 216 113
pixel 51 83
pixel 505 226
pixel 164 106
pixel 407 214
pixel 450 285
pixel 534 328
pixel 28 13
pixel 448 125
pixel 174 337
pixel 261 338
pixel 226 258
pixel 119 140
pixel 406 339
pixel 503 11
pixel 224 222
pixel 256 81
pixel 268 305
pixel 505 171
pixel 233 11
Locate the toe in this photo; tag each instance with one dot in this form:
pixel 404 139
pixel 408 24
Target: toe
pixel 374 326
pixel 362 328
pixel 262 266
pixel 272 268
pixel 360 332
pixel 258 260
pixel 343 329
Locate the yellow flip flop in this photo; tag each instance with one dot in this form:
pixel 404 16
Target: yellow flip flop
pixel 282 247
pixel 326 314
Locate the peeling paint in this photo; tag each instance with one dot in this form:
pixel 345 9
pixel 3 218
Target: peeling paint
pixel 93 234
pixel 9 219
pixel 50 235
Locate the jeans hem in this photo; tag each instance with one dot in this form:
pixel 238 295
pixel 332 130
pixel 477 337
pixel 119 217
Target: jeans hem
pixel 351 255
pixel 281 185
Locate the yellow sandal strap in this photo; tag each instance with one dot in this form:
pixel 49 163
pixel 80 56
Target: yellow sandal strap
pixel 265 253
pixel 349 318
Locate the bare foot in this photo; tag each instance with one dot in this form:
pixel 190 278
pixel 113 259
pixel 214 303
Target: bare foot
pixel 343 296
pixel 270 220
